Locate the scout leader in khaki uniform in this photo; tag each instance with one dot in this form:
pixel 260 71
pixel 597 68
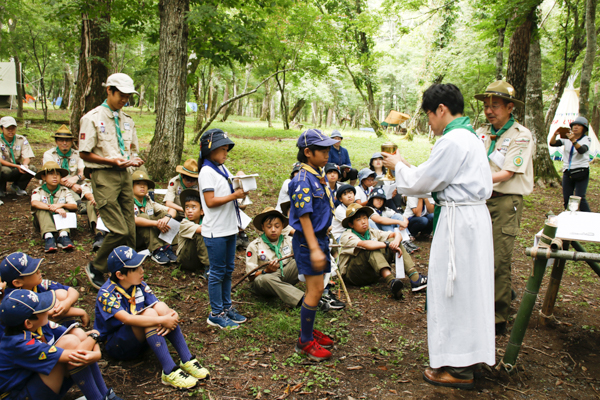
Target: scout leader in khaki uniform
pixel 187 179
pixel 15 151
pixel 509 146
pixel 277 278
pixel 49 199
pixel 108 145
pixel 191 249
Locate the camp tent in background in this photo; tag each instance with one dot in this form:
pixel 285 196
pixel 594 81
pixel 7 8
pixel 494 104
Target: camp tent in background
pixel 394 119
pixel 567 111
pixel 8 83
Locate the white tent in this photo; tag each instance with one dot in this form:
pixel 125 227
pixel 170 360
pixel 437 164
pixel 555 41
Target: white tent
pixel 567 111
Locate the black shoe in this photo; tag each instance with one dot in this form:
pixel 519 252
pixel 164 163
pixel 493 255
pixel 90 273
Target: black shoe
pixel 81 207
pixel 334 302
pixel 242 240
pixel 50 245
pixel 65 243
pixel 98 240
pixel 324 306
pixel 500 328
pixel 396 287
pixel 95 277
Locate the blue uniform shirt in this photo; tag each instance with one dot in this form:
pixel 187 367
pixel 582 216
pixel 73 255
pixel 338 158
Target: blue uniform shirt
pixel 308 195
pixel 22 357
pixel 339 157
pixel 110 301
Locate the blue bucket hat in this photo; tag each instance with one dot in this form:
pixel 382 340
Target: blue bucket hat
pixel 365 173
pixel 378 193
pixel 213 139
pixel 17 265
pixel 21 304
pixel 314 137
pixel 124 257
pixel 342 189
pixel 336 133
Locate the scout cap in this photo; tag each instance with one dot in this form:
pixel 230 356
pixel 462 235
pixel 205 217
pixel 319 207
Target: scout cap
pixel 17 265
pixel 140 176
pixel 342 189
pixel 213 139
pixel 124 257
pixel 7 121
pixel 51 166
pixel 189 168
pixel 365 173
pixel 314 137
pixel 332 167
pixel 353 211
pixel 336 133
pixel 63 133
pixel 285 207
pixel 269 211
pixel 122 82
pixel 501 89
pixel 21 304
pixel 187 193
pixel 580 121
pixel 296 168
pixel 376 194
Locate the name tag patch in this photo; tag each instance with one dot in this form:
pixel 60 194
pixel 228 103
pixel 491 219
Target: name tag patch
pixel 126 126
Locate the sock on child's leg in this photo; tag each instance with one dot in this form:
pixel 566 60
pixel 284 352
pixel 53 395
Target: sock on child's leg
pixel 97 374
pixel 414 276
pixel 178 341
pixel 158 344
pixel 389 279
pixel 48 235
pixel 84 379
pixel 307 322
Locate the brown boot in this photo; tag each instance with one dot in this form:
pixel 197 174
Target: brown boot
pixel 441 377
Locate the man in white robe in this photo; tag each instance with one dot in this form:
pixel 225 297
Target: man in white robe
pixel 460 295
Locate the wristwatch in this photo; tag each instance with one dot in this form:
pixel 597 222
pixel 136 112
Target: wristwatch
pixel 95 336
pixel 387 245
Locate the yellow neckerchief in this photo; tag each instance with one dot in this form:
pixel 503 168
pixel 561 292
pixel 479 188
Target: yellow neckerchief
pixel 321 176
pixel 129 298
pixel 38 334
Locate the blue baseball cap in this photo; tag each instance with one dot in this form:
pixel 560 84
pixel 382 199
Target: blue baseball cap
pixel 17 265
pixel 314 137
pixel 336 133
pixel 365 173
pixel 124 257
pixel 21 304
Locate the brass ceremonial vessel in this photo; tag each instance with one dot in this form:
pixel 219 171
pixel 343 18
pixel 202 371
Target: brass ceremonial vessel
pixel 389 147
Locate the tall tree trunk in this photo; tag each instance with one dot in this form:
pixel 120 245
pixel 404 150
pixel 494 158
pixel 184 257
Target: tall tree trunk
pixel 590 55
pixel 93 70
pixel 142 97
pixel 169 134
pixel 313 107
pixel 283 103
pixel 500 53
pixel 20 87
pixel 534 117
pixel 226 95
pixel 518 58
pixel 329 117
pixel 66 89
pixel 296 109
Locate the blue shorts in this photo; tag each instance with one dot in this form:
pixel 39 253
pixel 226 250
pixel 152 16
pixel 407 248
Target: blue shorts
pixel 302 254
pixel 123 345
pixel 36 389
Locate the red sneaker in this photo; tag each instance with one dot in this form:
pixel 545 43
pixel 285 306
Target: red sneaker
pixel 323 340
pixel 313 350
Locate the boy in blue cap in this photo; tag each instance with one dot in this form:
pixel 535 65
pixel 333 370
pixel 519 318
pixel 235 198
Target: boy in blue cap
pixel 33 367
pixel 130 317
pixel 311 217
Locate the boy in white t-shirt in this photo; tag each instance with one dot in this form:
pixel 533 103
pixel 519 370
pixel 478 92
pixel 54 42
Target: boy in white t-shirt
pixel 345 195
pixel 219 226
pixel 283 192
pixel 419 213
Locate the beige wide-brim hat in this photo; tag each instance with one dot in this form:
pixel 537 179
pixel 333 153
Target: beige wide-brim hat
pixel 140 176
pixel 63 133
pixel 354 209
pixel 51 166
pixel 189 168
pixel 269 211
pixel 501 89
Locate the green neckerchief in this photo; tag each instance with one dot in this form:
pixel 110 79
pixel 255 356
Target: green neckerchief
pixel 140 205
pixel 64 162
pixel 458 123
pixel 506 127
pixel 118 129
pixel 10 147
pixel 274 248
pixel 321 176
pixel 50 192
pixel 361 237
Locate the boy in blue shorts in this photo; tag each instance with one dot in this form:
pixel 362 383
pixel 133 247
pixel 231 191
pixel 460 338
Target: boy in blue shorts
pixel 311 216
pixel 130 317
pixel 32 367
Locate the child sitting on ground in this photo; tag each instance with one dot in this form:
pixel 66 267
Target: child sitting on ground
pixel 38 365
pixel 48 200
pixel 366 179
pixel 333 176
pixel 367 253
pixel 283 192
pixel 130 318
pixel 419 213
pixel 151 219
pixel 21 271
pixel 191 250
pixel 345 196
pixel 187 179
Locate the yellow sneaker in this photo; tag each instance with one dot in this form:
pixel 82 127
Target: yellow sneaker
pixel 194 368
pixel 179 379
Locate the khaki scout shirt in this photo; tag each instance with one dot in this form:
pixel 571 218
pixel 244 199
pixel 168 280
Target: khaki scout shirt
pixel 350 240
pixel 258 253
pixel 63 196
pixel 98 135
pixel 174 190
pixel 514 151
pixel 153 209
pixel 21 150
pixel 75 162
pixel 187 230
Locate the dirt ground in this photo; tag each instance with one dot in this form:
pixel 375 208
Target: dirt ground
pixel 382 348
